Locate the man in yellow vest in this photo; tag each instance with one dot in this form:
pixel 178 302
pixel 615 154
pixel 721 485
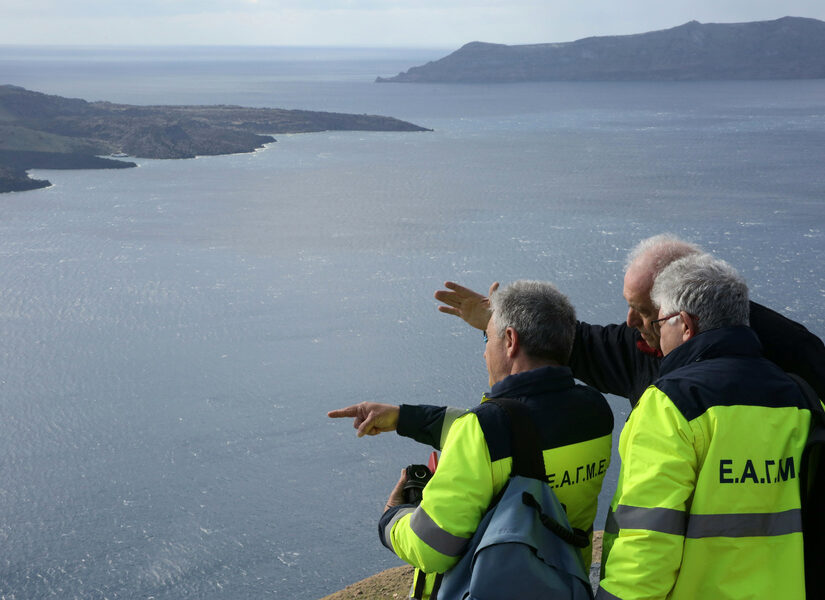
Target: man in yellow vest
pixel 708 503
pixel 527 344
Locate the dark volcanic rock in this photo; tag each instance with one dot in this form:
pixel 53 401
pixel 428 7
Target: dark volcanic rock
pixel 38 130
pixel 16 180
pixel 788 48
pixel 29 159
pixel 14 163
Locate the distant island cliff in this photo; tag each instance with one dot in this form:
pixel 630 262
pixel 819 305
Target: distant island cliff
pixel 51 132
pixel 787 48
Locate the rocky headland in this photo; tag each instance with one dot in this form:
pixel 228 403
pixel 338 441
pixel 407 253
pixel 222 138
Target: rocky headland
pixel 51 132
pixel 787 48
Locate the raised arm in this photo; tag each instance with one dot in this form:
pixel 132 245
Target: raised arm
pixel 472 307
pixel 609 359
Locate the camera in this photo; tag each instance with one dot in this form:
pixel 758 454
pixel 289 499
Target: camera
pixel 417 478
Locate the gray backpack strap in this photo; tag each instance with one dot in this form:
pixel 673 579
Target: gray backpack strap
pixel 528 461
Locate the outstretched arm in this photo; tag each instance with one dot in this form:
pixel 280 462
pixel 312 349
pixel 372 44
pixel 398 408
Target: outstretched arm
pixel 463 302
pixel 370 418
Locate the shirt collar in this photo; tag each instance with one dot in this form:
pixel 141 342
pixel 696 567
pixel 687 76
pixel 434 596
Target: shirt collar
pixel 644 347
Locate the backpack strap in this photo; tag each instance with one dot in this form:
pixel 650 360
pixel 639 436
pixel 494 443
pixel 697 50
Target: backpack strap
pixel 528 460
pixel 575 537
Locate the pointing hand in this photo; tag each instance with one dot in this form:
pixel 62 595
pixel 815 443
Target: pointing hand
pixel 370 418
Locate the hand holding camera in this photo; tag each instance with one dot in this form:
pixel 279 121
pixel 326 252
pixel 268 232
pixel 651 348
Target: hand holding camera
pixel 410 487
pixel 417 478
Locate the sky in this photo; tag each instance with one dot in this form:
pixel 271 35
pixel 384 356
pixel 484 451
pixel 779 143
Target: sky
pixel 364 23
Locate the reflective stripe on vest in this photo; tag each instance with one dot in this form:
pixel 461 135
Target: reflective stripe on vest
pixel 450 415
pixel 388 529
pixel 666 520
pixel 745 525
pixel 434 536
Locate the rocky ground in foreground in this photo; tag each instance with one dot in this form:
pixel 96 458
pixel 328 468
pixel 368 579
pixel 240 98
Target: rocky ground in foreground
pixel 394 584
pixel 386 585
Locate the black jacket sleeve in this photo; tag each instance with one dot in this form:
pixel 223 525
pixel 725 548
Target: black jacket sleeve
pixel 790 345
pixel 608 359
pixel 422 422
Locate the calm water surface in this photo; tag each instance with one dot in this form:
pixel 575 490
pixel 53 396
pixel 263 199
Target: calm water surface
pixel 173 335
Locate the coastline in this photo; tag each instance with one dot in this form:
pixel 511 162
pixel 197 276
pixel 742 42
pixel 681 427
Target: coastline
pixel 41 131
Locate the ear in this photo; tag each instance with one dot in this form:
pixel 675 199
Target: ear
pixel 690 326
pixel 511 342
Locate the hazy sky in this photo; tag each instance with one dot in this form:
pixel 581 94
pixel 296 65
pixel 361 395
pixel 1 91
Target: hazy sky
pixel 407 23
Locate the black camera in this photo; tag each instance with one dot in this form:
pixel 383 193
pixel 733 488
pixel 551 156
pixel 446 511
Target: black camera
pixel 417 478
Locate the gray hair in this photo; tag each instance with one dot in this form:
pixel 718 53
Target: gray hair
pixel 541 315
pixel 660 250
pixel 706 287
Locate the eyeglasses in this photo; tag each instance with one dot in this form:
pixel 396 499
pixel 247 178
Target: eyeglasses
pixel 659 321
pixel 485 336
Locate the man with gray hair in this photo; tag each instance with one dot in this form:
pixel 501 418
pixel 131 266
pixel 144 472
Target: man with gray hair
pixel 527 345
pixel 709 292
pixel 708 499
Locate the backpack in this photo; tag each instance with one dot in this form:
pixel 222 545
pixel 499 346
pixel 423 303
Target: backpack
pixel 524 548
pixel 812 493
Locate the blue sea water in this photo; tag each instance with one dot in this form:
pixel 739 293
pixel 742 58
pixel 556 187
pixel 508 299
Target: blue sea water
pixel 173 335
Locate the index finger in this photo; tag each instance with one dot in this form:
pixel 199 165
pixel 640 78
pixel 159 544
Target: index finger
pixel 349 411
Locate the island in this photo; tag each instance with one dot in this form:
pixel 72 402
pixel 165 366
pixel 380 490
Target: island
pixel 786 48
pixel 51 132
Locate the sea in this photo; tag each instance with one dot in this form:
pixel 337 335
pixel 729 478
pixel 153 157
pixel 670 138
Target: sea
pixel 173 335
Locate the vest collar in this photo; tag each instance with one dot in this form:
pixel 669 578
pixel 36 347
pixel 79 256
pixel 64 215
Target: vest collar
pixel 533 382
pixel 740 340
